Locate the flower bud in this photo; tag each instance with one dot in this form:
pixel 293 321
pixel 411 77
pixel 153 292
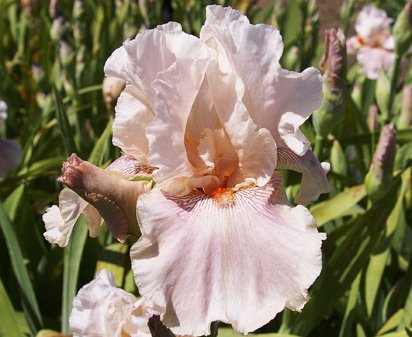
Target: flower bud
pixel 405 119
pixel 402 30
pixel 78 9
pixel 112 88
pixel 66 52
pixel 109 191
pixel 3 110
pixel 338 159
pixel 381 171
pixel 57 29
pixel 333 64
pixel 373 115
pixel 52 8
pixel 382 93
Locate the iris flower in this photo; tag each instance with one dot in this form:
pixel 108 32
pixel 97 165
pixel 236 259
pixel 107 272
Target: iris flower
pixel 373 44
pixel 100 309
pixel 214 118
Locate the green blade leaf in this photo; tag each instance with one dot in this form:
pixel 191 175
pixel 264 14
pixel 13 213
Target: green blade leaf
pixel 63 123
pixel 97 155
pixel 348 259
pixel 337 206
pixel 9 324
pixel 72 258
pixel 20 271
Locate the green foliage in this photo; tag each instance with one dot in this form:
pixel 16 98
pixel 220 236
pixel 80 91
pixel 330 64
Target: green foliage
pixel 52 81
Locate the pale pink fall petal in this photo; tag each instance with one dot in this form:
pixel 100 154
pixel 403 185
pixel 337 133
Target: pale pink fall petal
pixel 373 60
pixel 276 99
pixel 109 192
pixel 314 181
pixel 133 114
pixel 10 156
pixel 239 258
pixel 130 167
pixel 59 221
pixel 100 309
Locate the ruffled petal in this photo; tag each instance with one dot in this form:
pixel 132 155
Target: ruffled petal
pixel 176 90
pixel 314 180
pixel 276 99
pixel 109 192
pixel 59 221
pixel 133 114
pixel 228 92
pixel 373 60
pixel 10 156
pixel 239 258
pixel 139 61
pixel 373 25
pixel 218 15
pixel 100 309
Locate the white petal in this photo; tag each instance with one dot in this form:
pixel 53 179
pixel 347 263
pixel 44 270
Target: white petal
pixel 373 25
pixel 59 221
pixel 176 90
pixel 276 99
pixel 100 309
pixel 139 61
pixel 133 114
pixel 10 156
pixel 352 45
pixel 239 259
pixel 314 180
pixel 218 15
pixel 227 91
pixel 373 60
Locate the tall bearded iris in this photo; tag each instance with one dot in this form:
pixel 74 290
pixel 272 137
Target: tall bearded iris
pixel 215 117
pixel 373 44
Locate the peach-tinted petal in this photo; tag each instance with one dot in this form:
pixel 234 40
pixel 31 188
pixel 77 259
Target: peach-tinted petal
pixel 176 89
pixel 133 114
pixel 109 192
pixel 100 309
pixel 373 60
pixel 239 258
pixel 10 156
pixel 59 221
pixel 228 90
pixel 314 180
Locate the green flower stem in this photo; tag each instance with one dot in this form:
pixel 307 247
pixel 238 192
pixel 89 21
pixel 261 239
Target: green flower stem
pixel 394 78
pixel 318 147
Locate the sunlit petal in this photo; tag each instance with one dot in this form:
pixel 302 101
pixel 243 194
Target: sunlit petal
pixel 100 309
pixel 238 258
pixel 314 180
